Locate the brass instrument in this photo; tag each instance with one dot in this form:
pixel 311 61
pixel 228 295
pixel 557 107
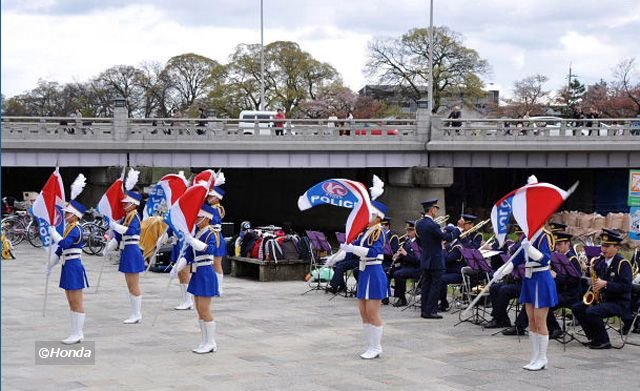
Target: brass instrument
pixel 474 228
pixel 442 220
pixel 488 243
pixel 581 254
pixel 592 295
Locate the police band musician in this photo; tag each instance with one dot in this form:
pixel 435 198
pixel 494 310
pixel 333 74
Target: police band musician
pixel 431 237
pixel 610 294
pixel 454 261
pixel 406 264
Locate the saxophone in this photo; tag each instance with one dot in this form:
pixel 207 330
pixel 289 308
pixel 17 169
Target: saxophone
pixel 592 296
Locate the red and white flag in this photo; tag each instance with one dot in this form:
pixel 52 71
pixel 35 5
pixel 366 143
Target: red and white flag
pixel 48 207
pixel 110 205
pixel 531 206
pixel 184 212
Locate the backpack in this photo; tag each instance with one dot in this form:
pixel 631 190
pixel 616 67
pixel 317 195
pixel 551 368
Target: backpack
pixel 248 242
pixel 272 250
pixel 289 247
pixel 304 248
pixel 256 251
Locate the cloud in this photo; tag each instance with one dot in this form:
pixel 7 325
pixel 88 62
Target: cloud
pixel 77 39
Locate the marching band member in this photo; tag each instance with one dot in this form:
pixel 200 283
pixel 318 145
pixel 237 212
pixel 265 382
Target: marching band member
pixel 454 261
pixel 565 269
pixel 73 277
pixel 408 258
pixel 216 194
pixel 127 235
pixel 431 237
pixel 538 293
pixel 200 256
pixel 501 293
pixel 372 282
pixel 611 289
pixel 391 245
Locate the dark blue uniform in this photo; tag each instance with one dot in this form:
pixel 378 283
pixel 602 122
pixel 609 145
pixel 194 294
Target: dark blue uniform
pixel 616 299
pixel 454 261
pixel 409 268
pixel 432 263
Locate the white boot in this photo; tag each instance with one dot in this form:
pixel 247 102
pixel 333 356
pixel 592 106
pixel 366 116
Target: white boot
pixel 367 337
pixel 535 349
pixel 77 324
pixel 136 307
pixel 542 361
pixel 203 336
pixel 210 340
pixel 375 347
pixel 187 299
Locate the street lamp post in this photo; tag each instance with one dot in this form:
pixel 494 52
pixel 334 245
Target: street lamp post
pixel 430 57
pixel 261 55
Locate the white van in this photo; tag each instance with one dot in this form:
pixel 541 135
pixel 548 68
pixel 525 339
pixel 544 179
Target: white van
pixel 248 125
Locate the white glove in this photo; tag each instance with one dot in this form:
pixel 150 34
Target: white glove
pixel 348 248
pixel 121 229
pixel 55 236
pixel 532 252
pixel 335 258
pixel 175 269
pixel 110 247
pixel 195 243
pixel 220 279
pixel 503 271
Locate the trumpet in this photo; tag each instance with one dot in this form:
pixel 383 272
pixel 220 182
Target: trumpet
pixel 442 220
pixel 474 228
pixel 592 295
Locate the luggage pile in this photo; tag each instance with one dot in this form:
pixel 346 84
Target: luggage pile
pixel 270 244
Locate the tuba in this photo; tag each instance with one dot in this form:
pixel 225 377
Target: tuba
pixel 592 296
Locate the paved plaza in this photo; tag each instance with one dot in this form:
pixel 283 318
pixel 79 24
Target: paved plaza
pixel 270 337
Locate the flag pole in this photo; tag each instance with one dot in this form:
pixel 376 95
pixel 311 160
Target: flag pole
pixel 46 285
pixel 486 288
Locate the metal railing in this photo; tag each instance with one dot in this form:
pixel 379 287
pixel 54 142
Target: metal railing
pixel 534 129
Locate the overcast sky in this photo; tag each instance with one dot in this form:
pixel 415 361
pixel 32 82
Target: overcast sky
pixel 73 40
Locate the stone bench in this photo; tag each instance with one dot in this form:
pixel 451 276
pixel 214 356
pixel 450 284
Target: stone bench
pixel 284 270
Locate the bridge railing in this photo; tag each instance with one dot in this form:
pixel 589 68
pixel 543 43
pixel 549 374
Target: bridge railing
pixel 201 129
pixel 535 129
pixel 53 128
pixel 292 129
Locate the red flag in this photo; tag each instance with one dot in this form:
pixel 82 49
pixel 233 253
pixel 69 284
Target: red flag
pixel 110 204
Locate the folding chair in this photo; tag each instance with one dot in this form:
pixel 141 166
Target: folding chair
pixel 473 275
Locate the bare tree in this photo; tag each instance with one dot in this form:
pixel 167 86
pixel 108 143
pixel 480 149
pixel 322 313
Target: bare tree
pixel 625 73
pixel 404 62
pixel 528 96
pixel 193 77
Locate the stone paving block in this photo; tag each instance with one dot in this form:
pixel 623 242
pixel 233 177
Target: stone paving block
pixel 270 337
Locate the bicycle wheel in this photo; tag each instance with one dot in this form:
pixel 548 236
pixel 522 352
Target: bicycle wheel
pixel 33 234
pixel 14 229
pixel 94 238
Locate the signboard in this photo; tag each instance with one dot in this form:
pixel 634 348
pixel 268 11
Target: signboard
pixel 634 230
pixel 634 188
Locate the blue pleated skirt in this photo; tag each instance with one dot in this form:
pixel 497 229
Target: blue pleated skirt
pixel 372 283
pixel 539 290
pixel 204 282
pixel 131 259
pixel 73 275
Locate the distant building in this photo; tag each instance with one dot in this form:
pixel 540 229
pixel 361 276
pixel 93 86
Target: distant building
pixel 400 96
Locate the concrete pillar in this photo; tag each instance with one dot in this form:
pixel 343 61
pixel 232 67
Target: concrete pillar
pixel 406 188
pixel 120 120
pixel 423 121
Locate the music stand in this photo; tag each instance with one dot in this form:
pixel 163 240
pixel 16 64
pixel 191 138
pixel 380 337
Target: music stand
pixel 317 242
pixel 478 265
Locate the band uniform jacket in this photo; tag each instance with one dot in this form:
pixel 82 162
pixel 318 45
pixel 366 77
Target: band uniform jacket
pixel 431 237
pixel 618 276
pixel 414 253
